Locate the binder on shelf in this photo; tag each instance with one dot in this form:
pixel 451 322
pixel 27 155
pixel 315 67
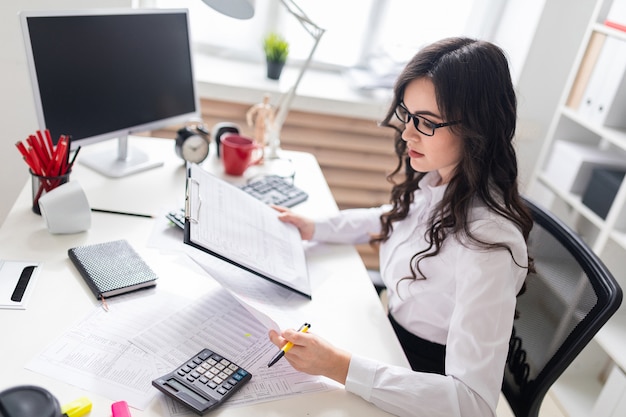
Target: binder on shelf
pixel 604 99
pixel 226 222
pixel 596 41
pixel 590 98
pixel 612 97
pixel 112 268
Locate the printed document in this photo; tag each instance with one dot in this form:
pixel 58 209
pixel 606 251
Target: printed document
pixel 146 334
pixel 232 225
pixel 218 321
pixel 96 353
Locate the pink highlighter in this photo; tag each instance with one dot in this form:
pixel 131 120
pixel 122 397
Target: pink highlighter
pixel 120 409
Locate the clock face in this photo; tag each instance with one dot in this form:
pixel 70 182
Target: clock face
pixel 195 149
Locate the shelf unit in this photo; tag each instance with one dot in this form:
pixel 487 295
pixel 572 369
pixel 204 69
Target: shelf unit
pixel 585 383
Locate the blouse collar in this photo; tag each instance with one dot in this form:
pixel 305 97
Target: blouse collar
pixel 431 194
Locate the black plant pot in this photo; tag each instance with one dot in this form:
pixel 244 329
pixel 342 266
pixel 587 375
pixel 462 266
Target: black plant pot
pixel 274 69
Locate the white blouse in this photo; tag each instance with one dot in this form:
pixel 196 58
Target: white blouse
pixel 466 302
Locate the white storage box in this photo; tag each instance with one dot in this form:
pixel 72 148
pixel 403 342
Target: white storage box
pixel 571 164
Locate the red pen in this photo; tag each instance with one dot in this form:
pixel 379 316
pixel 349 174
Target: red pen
pixel 37 168
pixel 59 156
pixel 31 147
pixel 44 145
pixel 22 148
pixel 49 140
pixel 38 152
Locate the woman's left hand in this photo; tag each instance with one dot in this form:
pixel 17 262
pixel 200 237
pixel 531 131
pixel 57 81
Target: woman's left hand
pixel 313 355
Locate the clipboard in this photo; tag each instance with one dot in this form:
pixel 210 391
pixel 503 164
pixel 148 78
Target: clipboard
pixel 226 222
pixel 17 280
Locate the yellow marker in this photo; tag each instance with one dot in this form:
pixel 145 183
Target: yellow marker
pixel 77 408
pixel 304 328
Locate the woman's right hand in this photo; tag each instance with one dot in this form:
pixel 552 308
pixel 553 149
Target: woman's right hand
pixel 305 226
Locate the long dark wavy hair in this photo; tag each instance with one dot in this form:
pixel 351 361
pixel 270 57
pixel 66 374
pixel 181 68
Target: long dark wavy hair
pixel 472 84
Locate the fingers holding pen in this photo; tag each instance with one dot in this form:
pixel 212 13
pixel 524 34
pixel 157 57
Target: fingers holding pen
pixel 276 338
pixel 295 346
pixel 312 354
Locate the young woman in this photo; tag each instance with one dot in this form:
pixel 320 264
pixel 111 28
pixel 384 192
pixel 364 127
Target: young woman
pixel 452 242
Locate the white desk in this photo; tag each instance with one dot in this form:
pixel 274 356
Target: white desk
pixel 352 318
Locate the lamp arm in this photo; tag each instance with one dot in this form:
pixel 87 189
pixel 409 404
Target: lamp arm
pixel 295 10
pixel 285 102
pixel 316 33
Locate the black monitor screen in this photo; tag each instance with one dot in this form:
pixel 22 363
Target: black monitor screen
pixel 105 74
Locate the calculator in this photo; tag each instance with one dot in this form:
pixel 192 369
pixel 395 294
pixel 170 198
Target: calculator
pixel 204 381
pixel 177 217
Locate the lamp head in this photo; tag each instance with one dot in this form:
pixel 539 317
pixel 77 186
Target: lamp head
pixel 239 9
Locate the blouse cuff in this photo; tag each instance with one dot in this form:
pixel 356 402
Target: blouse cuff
pixel 361 374
pixel 323 231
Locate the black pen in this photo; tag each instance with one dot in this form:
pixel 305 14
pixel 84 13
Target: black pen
pixel 124 213
pixel 71 163
pixel 304 328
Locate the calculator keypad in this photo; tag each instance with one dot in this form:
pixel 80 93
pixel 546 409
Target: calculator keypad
pixel 210 371
pixel 204 381
pixel 177 217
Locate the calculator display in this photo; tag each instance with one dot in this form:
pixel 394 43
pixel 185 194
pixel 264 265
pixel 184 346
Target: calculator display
pixel 177 386
pixel 203 382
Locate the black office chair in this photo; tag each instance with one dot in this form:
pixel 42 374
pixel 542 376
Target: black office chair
pixel 568 299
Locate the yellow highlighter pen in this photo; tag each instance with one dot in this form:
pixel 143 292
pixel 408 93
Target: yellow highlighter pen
pixel 304 328
pixel 77 408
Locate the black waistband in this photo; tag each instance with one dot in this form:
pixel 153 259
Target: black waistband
pixel 423 355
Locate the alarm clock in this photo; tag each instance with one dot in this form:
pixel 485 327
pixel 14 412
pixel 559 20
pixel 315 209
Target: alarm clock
pixel 192 143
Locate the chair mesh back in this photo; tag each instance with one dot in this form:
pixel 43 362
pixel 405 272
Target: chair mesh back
pixel 558 296
pixel 569 297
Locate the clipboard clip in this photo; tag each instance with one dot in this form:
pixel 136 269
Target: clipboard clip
pixel 190 183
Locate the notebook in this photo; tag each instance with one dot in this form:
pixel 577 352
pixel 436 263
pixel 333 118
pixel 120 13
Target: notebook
pixel 112 268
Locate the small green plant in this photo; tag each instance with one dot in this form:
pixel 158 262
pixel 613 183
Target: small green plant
pixel 276 48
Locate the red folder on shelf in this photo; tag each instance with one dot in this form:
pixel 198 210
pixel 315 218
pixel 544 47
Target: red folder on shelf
pixel 616 17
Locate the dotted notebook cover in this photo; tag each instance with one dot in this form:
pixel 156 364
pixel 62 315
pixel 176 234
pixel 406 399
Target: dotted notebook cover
pixel 112 268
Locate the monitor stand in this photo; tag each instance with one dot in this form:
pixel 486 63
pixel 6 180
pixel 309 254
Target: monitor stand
pixel 121 162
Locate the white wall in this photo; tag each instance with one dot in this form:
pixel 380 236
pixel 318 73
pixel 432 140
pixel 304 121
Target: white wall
pixel 516 30
pixel 541 42
pixel 16 103
pixel 547 61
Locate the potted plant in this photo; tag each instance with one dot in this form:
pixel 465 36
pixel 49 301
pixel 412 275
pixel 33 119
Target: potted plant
pixel 276 50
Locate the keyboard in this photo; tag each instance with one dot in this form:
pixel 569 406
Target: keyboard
pixel 270 189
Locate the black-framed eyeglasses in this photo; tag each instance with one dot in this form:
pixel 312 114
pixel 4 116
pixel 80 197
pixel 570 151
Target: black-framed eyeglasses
pixel 422 124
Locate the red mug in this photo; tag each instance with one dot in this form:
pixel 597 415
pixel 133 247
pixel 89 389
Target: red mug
pixel 237 152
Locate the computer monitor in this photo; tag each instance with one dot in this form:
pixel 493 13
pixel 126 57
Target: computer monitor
pixel 104 74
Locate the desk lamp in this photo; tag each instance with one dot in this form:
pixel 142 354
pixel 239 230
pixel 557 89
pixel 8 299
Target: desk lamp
pixel 244 9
